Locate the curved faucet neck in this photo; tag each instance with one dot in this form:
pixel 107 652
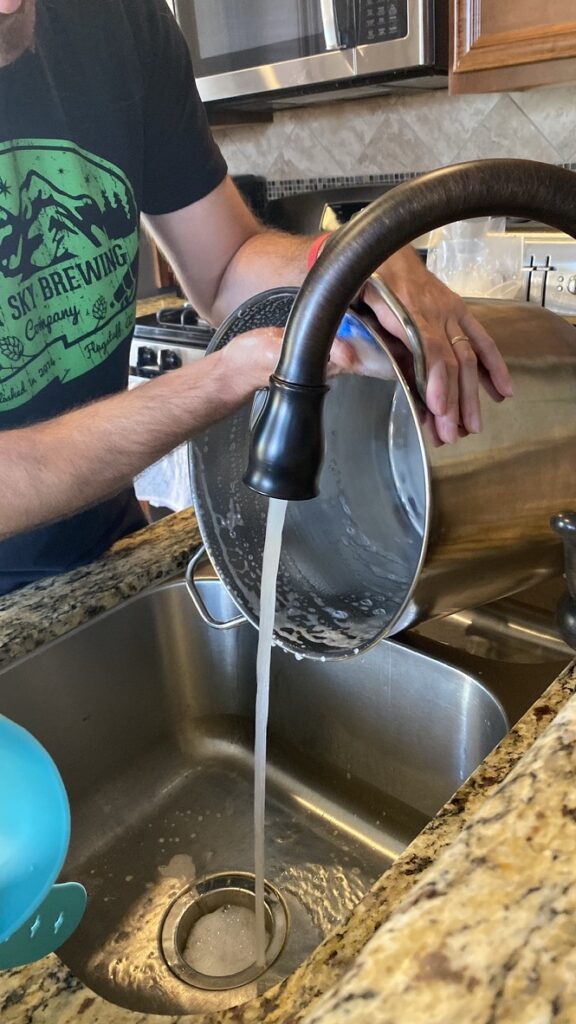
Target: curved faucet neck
pixel 523 188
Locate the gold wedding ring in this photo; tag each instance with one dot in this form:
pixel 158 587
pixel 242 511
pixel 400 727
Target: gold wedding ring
pixel 459 337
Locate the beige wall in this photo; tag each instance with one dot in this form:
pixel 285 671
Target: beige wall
pixel 410 133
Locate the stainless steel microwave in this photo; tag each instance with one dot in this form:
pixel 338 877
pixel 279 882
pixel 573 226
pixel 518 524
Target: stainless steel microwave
pixel 286 51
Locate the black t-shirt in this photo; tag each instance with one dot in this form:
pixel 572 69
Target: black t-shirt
pixel 100 122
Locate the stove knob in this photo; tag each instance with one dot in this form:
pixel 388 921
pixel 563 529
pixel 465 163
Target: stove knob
pixel 169 360
pixel 146 357
pixel 147 362
pixel 571 286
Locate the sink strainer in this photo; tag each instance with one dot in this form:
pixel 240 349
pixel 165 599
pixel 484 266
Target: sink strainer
pixel 210 894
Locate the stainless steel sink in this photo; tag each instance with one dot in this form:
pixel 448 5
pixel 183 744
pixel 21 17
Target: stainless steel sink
pixel 149 715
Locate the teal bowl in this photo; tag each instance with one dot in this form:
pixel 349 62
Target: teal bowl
pixel 34 825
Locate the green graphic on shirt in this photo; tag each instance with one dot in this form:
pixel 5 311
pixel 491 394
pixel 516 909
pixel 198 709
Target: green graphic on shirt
pixel 68 252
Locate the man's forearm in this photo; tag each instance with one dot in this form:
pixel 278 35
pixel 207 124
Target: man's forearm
pixel 268 259
pixel 222 254
pixel 272 258
pixel 53 469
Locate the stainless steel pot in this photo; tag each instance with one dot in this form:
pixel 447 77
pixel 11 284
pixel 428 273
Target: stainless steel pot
pixel 402 530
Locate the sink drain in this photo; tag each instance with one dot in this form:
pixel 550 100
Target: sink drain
pixel 206 896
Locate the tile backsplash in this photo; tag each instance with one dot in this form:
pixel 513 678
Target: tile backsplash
pixel 391 135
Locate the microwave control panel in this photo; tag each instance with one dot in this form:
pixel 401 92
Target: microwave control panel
pixel 380 21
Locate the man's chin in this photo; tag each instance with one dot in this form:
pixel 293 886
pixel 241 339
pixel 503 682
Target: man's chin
pixel 17 32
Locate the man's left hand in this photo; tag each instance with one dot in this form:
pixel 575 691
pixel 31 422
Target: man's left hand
pixel 455 343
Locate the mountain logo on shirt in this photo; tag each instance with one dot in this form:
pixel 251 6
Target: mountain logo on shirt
pixel 68 264
pixel 51 226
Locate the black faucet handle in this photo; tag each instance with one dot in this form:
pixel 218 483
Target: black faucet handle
pixel 564 525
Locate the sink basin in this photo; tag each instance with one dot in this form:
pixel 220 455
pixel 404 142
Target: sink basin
pixel 148 713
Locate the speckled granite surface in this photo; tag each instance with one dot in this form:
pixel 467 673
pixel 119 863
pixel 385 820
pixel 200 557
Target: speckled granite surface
pixel 488 934
pixel 475 921
pixel 42 612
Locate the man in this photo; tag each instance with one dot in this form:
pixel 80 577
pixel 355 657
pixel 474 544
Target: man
pixel 101 121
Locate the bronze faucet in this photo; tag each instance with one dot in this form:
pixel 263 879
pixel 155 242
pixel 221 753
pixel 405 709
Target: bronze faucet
pixel 287 440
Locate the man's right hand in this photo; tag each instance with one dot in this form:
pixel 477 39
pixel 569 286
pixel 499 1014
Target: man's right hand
pixel 248 361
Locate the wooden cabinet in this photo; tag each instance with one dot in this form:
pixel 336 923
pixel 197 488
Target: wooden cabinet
pixel 500 45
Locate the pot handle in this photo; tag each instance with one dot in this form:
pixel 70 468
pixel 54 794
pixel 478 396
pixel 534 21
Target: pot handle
pixel 564 525
pixel 197 599
pixel 414 340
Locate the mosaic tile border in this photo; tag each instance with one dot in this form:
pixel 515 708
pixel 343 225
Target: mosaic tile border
pixel 296 186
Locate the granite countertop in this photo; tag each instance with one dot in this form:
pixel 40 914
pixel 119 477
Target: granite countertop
pixel 488 933
pixel 46 610
pixel 475 921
